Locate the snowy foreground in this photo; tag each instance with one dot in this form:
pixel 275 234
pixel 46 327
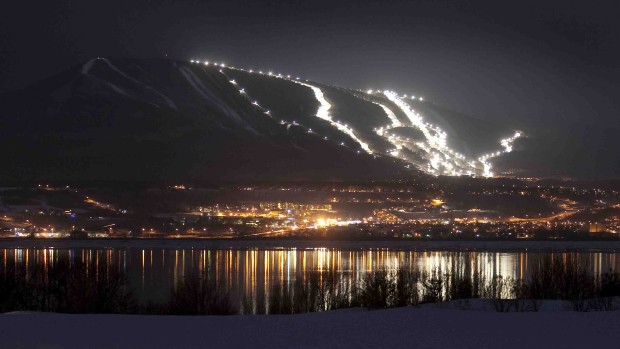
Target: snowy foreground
pixel 425 327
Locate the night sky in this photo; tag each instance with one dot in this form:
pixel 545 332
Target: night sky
pixel 527 61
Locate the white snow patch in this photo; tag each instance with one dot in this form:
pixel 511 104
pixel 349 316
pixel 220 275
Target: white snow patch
pixel 350 328
pixel 86 70
pixel 195 82
pixel 88 66
pixel 117 89
pixel 148 87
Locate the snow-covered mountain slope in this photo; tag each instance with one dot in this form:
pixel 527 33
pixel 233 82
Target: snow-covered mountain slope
pixel 137 119
pixel 381 123
pixel 121 119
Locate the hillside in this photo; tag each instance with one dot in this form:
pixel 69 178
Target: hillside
pixel 164 120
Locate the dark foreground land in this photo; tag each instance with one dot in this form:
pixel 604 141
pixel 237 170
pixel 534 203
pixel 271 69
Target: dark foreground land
pixel 426 327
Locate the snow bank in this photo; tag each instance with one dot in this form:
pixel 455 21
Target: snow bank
pixel 354 328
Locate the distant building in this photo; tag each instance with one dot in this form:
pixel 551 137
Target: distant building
pixel 597 228
pixel 292 206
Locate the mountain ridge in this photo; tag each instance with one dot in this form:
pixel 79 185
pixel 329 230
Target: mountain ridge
pixel 159 119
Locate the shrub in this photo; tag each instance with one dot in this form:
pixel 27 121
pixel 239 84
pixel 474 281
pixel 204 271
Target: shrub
pixel 406 289
pixel 67 288
pixel 377 290
pixel 196 294
pixel 498 291
pixel 433 284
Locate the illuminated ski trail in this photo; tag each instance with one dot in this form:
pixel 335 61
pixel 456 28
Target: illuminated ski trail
pixel 434 136
pixel 390 114
pixel 323 113
pixel 267 112
pixel 439 158
pixel 247 97
pixel 206 94
pixel 381 131
pixel 507 143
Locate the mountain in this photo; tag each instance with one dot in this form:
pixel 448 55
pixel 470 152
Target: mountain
pixel 139 119
pixel 120 119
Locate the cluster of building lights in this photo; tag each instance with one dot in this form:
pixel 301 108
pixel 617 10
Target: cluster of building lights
pixel 439 158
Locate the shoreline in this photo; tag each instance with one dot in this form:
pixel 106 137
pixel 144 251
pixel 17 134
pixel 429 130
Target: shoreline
pixel 278 244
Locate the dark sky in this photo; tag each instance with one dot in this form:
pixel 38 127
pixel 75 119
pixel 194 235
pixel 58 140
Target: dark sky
pixel 521 61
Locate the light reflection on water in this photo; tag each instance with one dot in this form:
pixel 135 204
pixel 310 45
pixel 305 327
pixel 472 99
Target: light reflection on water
pixel 250 274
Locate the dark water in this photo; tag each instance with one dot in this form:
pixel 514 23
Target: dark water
pixel 250 274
